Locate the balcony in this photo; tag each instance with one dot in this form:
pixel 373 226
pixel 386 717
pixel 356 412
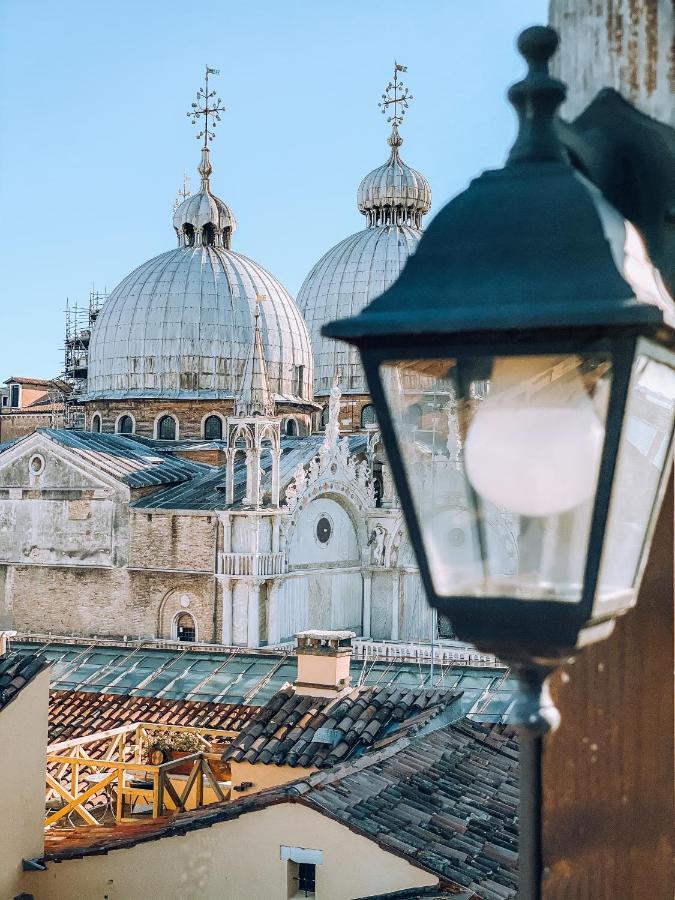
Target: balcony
pixel 257 564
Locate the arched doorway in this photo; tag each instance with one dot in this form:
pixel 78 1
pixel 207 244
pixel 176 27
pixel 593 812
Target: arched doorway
pixel 185 628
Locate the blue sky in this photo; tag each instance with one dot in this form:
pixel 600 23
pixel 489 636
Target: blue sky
pixel 95 138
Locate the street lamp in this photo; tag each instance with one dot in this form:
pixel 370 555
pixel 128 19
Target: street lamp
pixel 532 330
pixel 531 336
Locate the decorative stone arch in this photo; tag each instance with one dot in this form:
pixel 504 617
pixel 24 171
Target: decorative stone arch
pixel 241 432
pixel 118 421
pixel 177 626
pixel 270 433
pixel 96 422
pixel 158 419
pixel 223 424
pixel 172 605
pixel 344 498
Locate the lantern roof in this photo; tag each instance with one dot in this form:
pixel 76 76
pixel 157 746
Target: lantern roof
pixel 526 246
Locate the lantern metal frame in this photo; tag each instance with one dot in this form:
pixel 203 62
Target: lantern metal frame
pixel 528 631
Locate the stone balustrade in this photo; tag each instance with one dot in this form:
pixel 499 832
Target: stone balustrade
pixel 258 564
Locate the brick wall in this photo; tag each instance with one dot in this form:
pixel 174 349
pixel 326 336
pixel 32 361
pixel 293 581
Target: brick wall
pixel 105 602
pixel 168 541
pixel 190 414
pixel 14 425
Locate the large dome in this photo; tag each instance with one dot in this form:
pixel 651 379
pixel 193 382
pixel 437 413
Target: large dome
pixel 394 198
pixel 181 326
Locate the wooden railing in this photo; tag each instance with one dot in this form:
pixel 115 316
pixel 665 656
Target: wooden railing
pixel 252 564
pixel 98 775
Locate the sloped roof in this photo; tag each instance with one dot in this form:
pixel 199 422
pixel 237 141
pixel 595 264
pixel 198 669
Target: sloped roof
pixel 445 801
pixel 19 379
pixel 126 459
pixel 16 670
pixel 74 714
pixel 207 490
pixel 296 730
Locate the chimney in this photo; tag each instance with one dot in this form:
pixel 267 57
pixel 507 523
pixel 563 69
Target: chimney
pixel 323 662
pixel 5 637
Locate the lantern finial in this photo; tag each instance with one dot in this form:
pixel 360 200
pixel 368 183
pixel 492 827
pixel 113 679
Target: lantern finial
pixel 536 99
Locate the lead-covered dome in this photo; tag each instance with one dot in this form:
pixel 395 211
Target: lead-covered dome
pixel 394 198
pixel 181 326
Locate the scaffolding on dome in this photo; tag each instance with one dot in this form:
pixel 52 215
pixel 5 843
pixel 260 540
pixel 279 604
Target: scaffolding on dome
pixel 79 322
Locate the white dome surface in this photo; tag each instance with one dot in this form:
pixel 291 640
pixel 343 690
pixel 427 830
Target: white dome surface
pixel 341 284
pixel 182 325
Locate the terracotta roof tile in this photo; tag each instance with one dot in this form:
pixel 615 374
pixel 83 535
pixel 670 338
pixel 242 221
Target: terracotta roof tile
pixel 285 731
pixel 79 713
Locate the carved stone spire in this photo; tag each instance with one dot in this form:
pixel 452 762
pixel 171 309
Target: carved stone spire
pixel 255 397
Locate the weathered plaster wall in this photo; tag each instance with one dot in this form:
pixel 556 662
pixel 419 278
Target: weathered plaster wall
pixel 624 44
pixel 264 776
pixel 63 516
pixel 23 747
pixel 235 859
pixel 14 425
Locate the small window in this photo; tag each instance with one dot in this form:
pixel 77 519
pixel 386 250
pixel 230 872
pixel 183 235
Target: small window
pixel 413 415
pixel 324 529
pixel 209 234
pixel 291 428
pixel 306 879
pixel 166 428
pixel 213 428
pixel 189 234
pixel 324 417
pixel 125 425
pixel 298 380
pixel 368 416
pixel 185 628
pixel 96 423
pixel 14 395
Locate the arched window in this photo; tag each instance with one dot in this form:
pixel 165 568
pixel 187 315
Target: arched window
pixel 368 416
pixel 189 234
pixel 125 425
pixel 413 415
pixel 166 428
pixel 185 628
pixel 209 234
pixel 213 428
pixel 324 417
pixel 96 423
pixel 291 428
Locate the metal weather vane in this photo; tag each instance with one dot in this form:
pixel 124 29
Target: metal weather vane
pixel 202 107
pixel 396 94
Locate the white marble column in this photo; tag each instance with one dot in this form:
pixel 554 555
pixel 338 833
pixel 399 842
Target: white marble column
pixel 273 635
pixel 226 586
pixel 253 616
pixel 367 602
pixel 395 605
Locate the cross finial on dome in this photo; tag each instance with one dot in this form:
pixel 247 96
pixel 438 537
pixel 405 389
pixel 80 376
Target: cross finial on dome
pixel 396 94
pixel 206 106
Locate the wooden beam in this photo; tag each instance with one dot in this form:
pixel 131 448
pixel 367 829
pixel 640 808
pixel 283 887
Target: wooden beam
pixel 608 806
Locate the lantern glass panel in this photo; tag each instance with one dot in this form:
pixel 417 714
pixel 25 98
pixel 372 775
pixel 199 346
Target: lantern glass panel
pixel 502 459
pixel 641 464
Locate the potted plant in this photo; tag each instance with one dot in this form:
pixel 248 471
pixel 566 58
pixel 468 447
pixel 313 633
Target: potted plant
pixel 168 745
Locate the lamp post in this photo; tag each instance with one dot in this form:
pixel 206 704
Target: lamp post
pixel 530 322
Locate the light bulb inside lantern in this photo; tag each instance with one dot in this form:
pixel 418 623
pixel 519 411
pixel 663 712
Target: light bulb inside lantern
pixel 534 445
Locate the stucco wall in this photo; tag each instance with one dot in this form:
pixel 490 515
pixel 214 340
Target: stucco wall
pixel 23 747
pixel 63 515
pixel 237 859
pixel 263 776
pixel 624 44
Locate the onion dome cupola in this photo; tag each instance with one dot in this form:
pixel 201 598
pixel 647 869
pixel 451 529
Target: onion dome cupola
pixel 182 324
pixel 394 198
pixel 394 194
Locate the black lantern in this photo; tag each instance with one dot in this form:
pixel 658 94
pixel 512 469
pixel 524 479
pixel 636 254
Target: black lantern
pixel 529 329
